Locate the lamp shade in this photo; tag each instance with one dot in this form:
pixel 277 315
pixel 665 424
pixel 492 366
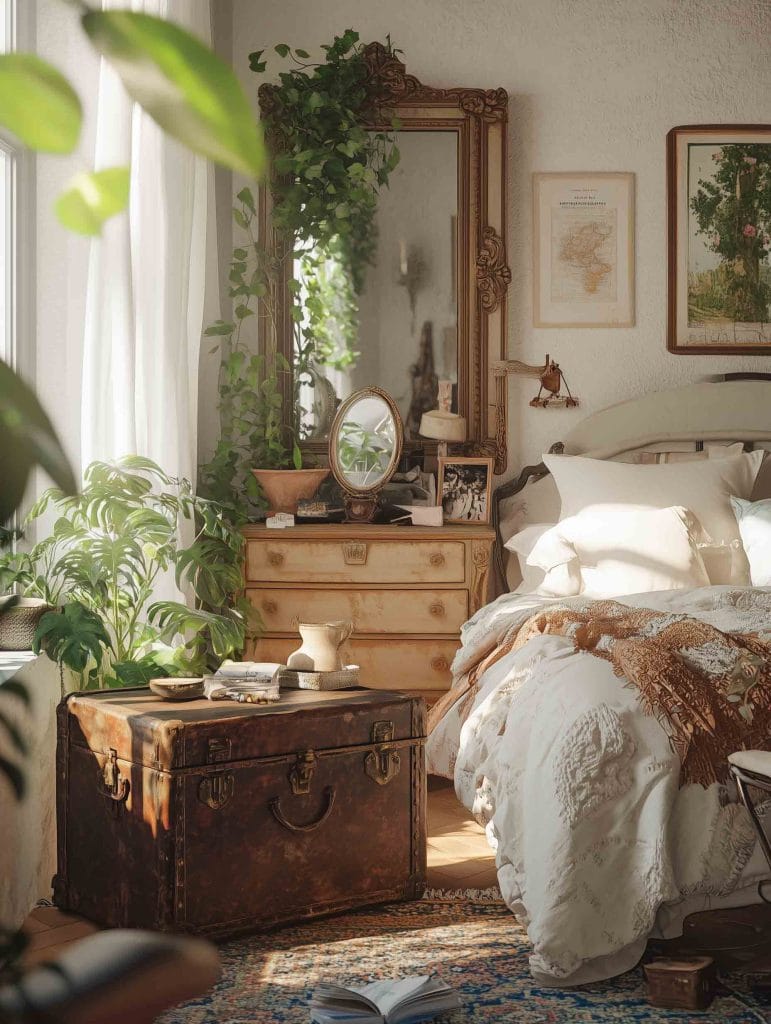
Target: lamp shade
pixel 443 426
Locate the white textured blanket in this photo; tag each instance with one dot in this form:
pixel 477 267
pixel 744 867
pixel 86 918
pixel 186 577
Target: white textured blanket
pixel 596 846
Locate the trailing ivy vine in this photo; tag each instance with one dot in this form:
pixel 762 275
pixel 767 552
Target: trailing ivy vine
pixel 327 172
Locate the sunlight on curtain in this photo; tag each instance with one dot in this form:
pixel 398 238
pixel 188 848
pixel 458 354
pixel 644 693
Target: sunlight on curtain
pixel 144 311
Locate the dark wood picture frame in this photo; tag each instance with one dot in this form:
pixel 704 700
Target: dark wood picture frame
pixel 677 211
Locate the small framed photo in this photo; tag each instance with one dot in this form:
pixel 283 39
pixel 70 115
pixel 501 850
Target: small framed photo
pixel 464 489
pixel 719 214
pixel 583 249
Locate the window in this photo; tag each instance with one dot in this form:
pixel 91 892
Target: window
pixel 11 159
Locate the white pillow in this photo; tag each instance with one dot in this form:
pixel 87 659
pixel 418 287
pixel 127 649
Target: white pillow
pixel 754 519
pixel 521 544
pixel 703 487
pixel 622 549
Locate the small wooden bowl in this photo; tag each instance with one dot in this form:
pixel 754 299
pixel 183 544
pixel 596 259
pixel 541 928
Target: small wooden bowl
pixel 181 688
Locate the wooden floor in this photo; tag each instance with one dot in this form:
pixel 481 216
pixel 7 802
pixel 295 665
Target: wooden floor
pixel 458 858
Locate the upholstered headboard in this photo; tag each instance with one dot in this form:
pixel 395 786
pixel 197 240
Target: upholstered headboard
pixel 737 408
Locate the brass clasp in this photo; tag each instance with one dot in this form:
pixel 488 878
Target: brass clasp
pixel 382 764
pixel 301 773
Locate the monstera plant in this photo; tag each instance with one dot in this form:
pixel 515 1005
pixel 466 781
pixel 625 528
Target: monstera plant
pixel 109 549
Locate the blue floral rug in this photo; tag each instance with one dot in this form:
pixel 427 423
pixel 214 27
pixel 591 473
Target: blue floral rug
pixel 477 947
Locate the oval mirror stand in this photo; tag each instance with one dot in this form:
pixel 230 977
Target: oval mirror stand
pixel 365 445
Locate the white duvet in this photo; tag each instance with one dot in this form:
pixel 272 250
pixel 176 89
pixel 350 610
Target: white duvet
pixel 596 846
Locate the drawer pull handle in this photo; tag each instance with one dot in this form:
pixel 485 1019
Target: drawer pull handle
pixel 269 607
pixel 439 664
pixel 275 558
pixel 281 818
pixel 437 609
pixel 437 559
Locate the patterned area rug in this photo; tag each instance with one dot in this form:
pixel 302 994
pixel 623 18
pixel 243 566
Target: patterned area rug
pixel 476 946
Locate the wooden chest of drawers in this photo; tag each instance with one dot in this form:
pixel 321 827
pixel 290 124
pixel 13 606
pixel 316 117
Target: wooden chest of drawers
pixel 407 591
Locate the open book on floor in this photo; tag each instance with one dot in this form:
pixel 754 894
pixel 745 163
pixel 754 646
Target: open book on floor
pixel 405 1001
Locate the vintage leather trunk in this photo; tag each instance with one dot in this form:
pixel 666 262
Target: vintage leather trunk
pixel 220 818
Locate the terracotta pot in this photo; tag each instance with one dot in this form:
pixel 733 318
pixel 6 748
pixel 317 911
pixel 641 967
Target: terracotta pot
pixel 285 487
pixel 18 622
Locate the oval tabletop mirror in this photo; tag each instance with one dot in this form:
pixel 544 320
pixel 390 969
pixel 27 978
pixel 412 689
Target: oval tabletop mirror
pixel 365 445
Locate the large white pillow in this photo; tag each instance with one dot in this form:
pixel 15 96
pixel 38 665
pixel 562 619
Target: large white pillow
pixel 703 487
pixel 521 544
pixel 621 549
pixel 754 519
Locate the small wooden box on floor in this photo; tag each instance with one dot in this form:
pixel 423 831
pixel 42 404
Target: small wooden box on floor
pixel 687 983
pixel 407 590
pixel 221 818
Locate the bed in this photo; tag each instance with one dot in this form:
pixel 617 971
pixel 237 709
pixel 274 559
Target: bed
pixel 610 813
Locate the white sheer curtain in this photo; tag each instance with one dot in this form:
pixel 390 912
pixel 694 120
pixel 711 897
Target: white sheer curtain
pixel 146 283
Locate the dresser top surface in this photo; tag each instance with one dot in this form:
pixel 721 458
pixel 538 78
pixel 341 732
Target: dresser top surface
pixel 371 531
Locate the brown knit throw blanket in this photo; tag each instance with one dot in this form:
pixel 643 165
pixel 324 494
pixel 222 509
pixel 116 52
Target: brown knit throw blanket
pixel 710 690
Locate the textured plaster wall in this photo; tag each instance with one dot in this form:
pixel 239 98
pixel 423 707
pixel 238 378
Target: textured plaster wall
pixel 593 85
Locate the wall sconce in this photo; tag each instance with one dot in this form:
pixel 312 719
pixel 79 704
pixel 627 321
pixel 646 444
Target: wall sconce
pixel 551 377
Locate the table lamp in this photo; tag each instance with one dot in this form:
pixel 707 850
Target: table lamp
pixel 444 427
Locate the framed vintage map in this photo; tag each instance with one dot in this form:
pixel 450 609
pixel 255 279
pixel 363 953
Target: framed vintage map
pixel 583 239
pixel 719 212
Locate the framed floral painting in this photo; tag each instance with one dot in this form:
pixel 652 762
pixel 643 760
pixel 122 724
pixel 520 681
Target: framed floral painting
pixel 719 213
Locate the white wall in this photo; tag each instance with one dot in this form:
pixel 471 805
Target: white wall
pixel 593 85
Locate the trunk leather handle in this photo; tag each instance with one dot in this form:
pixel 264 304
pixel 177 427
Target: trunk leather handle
pixel 278 814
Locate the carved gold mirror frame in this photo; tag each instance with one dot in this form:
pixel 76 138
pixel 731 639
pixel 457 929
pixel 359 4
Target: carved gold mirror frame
pixel 479 119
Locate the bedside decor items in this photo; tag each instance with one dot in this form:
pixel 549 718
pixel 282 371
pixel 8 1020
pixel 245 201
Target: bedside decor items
pixel 719 245
pixel 365 445
pixel 344 679
pixel 464 488
pixel 332 784
pixel 445 427
pixel 284 488
pixel 583 249
pixel 320 648
pixel 181 688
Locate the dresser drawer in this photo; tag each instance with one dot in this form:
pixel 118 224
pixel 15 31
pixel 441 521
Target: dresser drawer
pixel 370 611
pixel 355 561
pixel 385 665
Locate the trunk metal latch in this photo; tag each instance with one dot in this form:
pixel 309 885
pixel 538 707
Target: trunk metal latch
pixel 382 764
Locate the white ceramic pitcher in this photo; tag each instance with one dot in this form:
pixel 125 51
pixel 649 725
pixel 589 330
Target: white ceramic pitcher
pixel 320 648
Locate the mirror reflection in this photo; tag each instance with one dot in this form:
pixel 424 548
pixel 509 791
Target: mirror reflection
pixel 366 443
pixel 402 333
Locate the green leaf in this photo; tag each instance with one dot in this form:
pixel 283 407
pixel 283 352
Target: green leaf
pixel 256 63
pixel 302 53
pixel 27 439
pixel 182 84
pixel 92 199
pixel 38 104
pixel 281 49
pixel 219 329
pixel 243 311
pixel 246 197
pixel 72 637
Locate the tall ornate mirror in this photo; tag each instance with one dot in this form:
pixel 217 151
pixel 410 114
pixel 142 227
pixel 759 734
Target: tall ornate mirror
pixel 431 315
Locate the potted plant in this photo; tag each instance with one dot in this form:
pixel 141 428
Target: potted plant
pixel 109 548
pixel 327 172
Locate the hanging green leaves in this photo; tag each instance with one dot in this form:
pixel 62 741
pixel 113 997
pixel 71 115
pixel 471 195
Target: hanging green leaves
pixel 92 198
pixel 182 84
pixel 37 104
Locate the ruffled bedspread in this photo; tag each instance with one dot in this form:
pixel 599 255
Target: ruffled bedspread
pixel 597 844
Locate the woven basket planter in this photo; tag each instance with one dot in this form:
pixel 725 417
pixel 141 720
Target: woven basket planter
pixel 18 621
